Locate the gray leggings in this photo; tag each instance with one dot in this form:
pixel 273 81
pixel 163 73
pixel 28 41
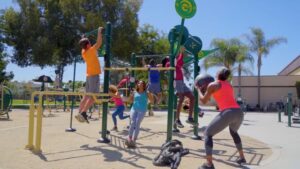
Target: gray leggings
pixel 229 117
pixel 136 119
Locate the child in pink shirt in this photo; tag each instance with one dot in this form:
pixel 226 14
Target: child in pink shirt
pixel 117 99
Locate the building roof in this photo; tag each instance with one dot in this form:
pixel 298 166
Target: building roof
pixel 291 67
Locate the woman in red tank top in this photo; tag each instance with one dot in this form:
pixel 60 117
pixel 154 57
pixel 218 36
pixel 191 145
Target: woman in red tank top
pixel 230 115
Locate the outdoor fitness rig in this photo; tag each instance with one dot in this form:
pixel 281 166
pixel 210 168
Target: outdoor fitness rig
pixel 38 135
pixel 177 37
pixel 5 100
pixel 293 112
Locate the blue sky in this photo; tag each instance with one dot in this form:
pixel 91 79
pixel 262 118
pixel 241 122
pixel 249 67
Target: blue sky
pixel 214 19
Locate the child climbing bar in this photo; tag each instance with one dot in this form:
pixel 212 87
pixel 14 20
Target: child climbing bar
pixel 117 99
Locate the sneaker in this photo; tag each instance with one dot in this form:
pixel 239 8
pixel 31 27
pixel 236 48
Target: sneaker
pixel 241 161
pixel 201 114
pixel 151 113
pixel 179 124
pixel 205 166
pixel 127 142
pixel 114 128
pixel 79 118
pixel 132 144
pixel 190 120
pixel 85 117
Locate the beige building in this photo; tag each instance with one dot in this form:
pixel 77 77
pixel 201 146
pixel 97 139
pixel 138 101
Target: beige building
pixel 292 69
pixel 273 88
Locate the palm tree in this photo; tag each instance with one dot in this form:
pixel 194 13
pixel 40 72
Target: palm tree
pixel 243 59
pixel 225 56
pixel 230 52
pixel 261 46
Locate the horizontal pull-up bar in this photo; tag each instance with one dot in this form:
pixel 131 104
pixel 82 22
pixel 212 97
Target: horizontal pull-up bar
pixel 150 56
pixel 57 93
pixel 38 136
pixel 138 68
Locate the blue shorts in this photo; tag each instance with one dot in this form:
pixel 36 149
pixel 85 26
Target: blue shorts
pixel 154 88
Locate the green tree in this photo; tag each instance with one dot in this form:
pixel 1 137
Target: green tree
pixel 46 33
pixel 244 65
pixel 261 47
pixel 4 75
pixel 226 55
pixel 232 54
pixel 151 42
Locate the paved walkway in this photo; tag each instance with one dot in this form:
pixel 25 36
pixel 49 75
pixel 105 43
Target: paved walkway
pixel 268 144
pixel 284 140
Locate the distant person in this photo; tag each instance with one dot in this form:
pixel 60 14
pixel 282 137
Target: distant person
pixel 230 115
pixel 93 70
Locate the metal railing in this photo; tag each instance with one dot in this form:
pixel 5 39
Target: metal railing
pixel 36 147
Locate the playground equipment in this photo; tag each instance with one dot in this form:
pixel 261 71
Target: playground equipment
pixel 5 100
pixel 51 101
pixel 292 112
pixel 38 136
pixel 193 45
pixel 178 36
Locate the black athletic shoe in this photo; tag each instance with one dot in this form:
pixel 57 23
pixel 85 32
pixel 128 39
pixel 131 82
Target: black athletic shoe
pixel 114 128
pixel 179 124
pixel 190 120
pixel 241 161
pixel 201 114
pixel 205 166
pixel 85 116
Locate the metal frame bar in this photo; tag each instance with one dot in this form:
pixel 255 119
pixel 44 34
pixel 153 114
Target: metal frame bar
pixel 138 68
pixel 150 56
pixel 38 139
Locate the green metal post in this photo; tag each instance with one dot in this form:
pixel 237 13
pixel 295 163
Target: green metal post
pixel 2 98
pixel 180 38
pixel 175 129
pixel 196 107
pixel 71 129
pixel 289 109
pixel 103 138
pixel 132 73
pixel 171 89
pixel 279 114
pixel 65 104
